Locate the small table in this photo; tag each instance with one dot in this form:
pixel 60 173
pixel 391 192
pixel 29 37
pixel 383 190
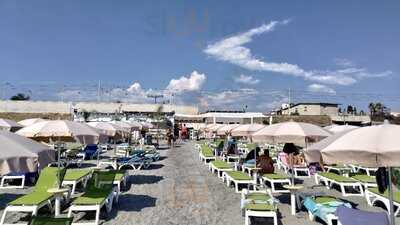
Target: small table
pixel 293 195
pixel 58 194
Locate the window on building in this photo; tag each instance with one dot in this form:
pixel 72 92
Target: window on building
pixel 305 108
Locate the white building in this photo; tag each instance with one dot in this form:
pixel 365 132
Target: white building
pixel 311 109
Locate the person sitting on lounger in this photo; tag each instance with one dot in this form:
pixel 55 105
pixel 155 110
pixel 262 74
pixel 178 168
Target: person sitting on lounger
pixel 252 155
pixel 265 163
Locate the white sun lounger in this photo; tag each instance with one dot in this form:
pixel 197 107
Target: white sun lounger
pixel 329 179
pixel 5 178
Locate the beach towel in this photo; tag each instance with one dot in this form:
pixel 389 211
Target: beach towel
pixel 324 209
pixel 349 216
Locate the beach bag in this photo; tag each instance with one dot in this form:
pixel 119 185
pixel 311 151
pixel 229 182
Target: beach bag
pixel 382 179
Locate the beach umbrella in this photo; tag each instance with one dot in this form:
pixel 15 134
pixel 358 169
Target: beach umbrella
pixel 9 125
pixel 373 146
pixel 216 127
pixel 208 127
pixel 136 125
pixel 246 129
pixel 147 125
pixel 339 128
pixel 31 121
pixel 61 130
pixel 108 129
pixel 125 125
pixel 22 155
pixel 226 129
pixel 290 132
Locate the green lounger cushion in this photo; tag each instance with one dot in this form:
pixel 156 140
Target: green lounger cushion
pixel 92 197
pixel 396 195
pixel 275 176
pixel 47 179
pixel 50 221
pixel 338 178
pixel 258 196
pixel 260 207
pixel 251 146
pixel 237 175
pixel 76 174
pixel 112 175
pixel 364 178
pixel 207 151
pixel 221 164
pixel 34 198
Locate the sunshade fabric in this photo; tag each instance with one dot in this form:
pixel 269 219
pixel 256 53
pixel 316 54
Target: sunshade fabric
pixel 22 155
pixel 226 129
pixel 31 121
pixel 373 146
pixel 294 132
pixel 246 129
pixel 63 130
pixel 9 125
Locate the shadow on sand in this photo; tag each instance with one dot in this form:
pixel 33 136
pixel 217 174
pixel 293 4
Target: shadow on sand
pixel 144 179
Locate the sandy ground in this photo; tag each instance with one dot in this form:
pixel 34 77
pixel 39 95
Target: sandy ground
pixel 179 190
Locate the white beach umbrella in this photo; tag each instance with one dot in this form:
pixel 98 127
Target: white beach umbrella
pixel 108 129
pixel 147 125
pixel 246 129
pixel 22 155
pixel 374 146
pixel 339 128
pixel 293 132
pixel 216 127
pixel 9 125
pixel 125 125
pixel 55 130
pixel 226 129
pixel 31 121
pixel 136 125
pixel 208 127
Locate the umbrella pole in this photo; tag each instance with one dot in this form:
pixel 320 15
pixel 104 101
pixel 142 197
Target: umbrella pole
pixel 58 163
pixel 390 190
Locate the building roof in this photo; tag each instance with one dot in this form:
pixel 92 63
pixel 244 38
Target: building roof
pixel 313 103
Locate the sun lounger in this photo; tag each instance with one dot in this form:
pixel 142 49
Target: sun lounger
pixel 39 197
pixel 12 177
pixel 323 207
pixel 219 166
pixel 206 154
pixel 330 179
pixel 99 192
pixel 75 176
pixel 365 180
pixel 259 204
pixel 370 171
pixel 300 171
pixel 341 170
pixel 273 179
pixel 50 221
pixel 237 178
pixel 372 195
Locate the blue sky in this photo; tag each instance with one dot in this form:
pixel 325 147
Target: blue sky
pixel 338 51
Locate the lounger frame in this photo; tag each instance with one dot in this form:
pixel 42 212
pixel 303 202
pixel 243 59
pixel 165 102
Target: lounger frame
pixel 372 198
pixel 329 183
pixel 228 179
pixel 12 177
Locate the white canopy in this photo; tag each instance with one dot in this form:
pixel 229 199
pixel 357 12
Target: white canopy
pixel 64 130
pixel 374 146
pixel 22 155
pixel 108 129
pixel 339 128
pixel 294 132
pixel 31 121
pixel 9 125
pixel 226 129
pixel 246 129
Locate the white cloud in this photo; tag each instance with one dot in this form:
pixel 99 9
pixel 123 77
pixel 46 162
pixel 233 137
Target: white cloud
pixel 320 88
pixel 193 82
pixel 343 62
pixel 227 97
pixel 246 79
pixel 135 88
pixel 231 50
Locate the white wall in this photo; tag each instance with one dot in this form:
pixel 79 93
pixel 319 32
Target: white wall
pixel 65 107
